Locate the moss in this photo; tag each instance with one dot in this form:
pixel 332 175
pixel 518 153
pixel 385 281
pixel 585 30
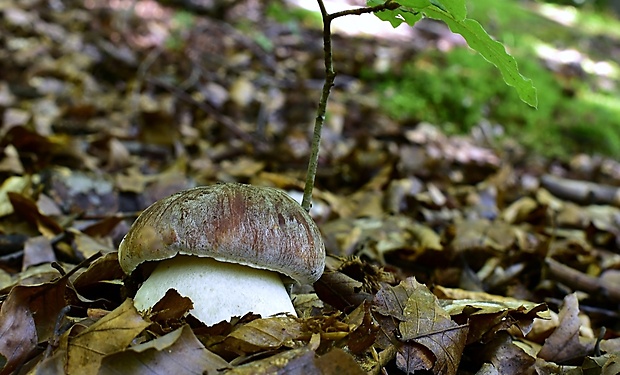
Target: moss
pixel 457 90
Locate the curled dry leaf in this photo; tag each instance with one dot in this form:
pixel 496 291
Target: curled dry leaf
pixel 340 291
pixel 487 314
pixel 27 208
pixel 565 343
pixel 364 329
pixel 171 308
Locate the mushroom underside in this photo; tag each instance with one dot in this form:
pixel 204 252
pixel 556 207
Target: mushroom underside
pixel 218 290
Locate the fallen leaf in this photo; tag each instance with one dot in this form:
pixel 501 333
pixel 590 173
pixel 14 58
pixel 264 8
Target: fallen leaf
pixel 111 333
pixel 37 250
pixel 564 343
pixel 27 208
pixel 296 361
pixel 18 335
pixel 340 291
pixel 337 361
pixel 424 322
pixel 16 184
pixel 505 356
pixel 177 352
pixel 264 334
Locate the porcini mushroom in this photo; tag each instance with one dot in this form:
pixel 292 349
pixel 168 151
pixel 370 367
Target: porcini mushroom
pixel 228 247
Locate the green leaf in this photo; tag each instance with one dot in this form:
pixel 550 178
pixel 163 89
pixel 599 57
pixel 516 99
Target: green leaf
pixel 416 4
pixel 455 7
pixel 454 14
pixel 398 16
pixel 391 16
pixel 492 50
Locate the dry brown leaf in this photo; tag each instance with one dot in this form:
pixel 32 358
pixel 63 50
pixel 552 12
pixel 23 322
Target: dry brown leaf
pixel 47 206
pixel 103 227
pixel 339 362
pixel 565 344
pixel 412 357
pixel 506 357
pixel 132 181
pixel 242 91
pixel 364 330
pixel 298 361
pixel 37 250
pixel 607 364
pixel 172 306
pixel 482 233
pixel 9 162
pixel 88 246
pixel 340 291
pixel 118 155
pixel 488 314
pixel 241 167
pixel 265 334
pixel 79 192
pixel 178 352
pixel 424 322
pixel 111 333
pixel 45 301
pixel 375 237
pixel 486 303
pixel 16 184
pixel 27 209
pixel 103 269
pixel 18 335
pixel 519 210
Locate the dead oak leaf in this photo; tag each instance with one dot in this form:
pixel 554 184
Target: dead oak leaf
pixel 424 326
pixel 564 343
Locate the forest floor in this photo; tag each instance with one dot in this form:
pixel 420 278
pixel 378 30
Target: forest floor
pixel 447 254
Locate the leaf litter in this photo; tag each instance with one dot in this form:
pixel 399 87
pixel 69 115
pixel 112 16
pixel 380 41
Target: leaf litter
pixel 446 254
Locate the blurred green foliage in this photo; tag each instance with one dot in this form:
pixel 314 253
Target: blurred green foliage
pixel 286 14
pixel 181 23
pixel 458 90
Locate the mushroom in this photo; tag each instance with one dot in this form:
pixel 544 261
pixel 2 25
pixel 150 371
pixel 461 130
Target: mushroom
pixel 229 247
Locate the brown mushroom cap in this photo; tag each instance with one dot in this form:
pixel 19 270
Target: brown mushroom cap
pixel 255 226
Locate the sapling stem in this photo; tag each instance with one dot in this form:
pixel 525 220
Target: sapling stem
pixel 330 76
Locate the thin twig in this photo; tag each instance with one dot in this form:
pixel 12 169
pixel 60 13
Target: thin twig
pixel 330 76
pixel 388 5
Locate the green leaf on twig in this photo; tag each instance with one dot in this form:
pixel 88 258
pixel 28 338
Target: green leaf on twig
pixel 454 14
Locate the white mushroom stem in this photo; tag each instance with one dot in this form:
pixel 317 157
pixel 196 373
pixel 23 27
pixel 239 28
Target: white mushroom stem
pixel 219 290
